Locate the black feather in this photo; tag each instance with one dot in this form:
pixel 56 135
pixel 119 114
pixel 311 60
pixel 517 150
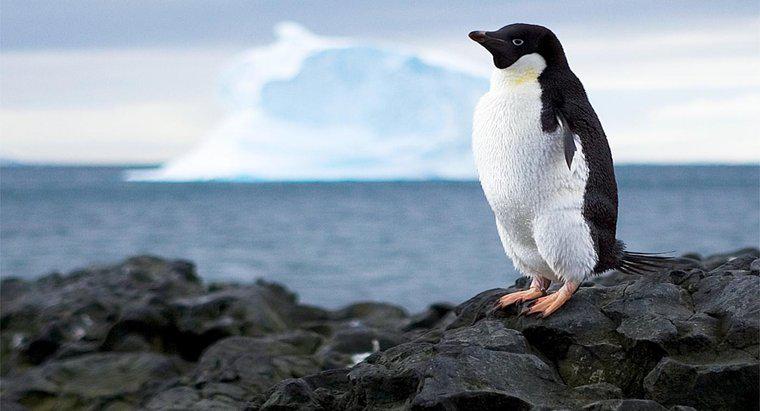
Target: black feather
pixel 643 263
pixel 568 140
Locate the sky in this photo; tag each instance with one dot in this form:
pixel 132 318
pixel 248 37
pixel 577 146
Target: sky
pixel 136 82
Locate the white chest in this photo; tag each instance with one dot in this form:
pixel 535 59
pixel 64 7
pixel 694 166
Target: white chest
pixel 522 169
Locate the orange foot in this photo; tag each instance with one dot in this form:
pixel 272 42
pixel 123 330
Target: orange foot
pixel 545 306
pixel 537 289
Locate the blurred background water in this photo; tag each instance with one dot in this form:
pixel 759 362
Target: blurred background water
pixel 410 243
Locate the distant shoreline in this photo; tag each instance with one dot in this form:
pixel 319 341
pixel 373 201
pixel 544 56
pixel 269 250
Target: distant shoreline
pixel 122 168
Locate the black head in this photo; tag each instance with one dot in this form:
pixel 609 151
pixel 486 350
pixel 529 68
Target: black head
pixel 511 42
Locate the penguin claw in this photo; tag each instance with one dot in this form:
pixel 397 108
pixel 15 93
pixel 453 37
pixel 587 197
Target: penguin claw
pixel 546 306
pixel 531 294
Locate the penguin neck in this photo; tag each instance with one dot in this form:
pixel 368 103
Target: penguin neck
pixel 524 71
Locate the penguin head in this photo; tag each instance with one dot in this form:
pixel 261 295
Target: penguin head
pixel 511 42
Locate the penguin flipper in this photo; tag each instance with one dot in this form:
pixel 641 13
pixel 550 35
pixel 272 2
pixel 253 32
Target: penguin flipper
pixel 568 139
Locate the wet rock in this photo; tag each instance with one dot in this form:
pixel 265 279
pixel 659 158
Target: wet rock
pixel 320 391
pixel 454 371
pixel 683 337
pixel 711 385
pixel 249 311
pixel 348 344
pixel 714 261
pixel 732 299
pixel 56 310
pixel 488 334
pixel 374 314
pixel 600 390
pixel 625 405
pixel 178 398
pixel 430 317
pixel 754 267
pixel 93 380
pixel 257 363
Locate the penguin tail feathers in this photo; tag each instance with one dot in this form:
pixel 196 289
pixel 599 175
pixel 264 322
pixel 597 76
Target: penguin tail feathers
pixel 643 263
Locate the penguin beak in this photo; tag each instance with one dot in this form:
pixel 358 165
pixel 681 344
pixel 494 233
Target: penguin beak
pixel 479 36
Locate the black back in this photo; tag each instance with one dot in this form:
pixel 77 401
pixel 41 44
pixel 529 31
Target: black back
pixel 563 93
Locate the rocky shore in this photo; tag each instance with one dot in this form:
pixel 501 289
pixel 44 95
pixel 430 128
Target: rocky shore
pixel 147 333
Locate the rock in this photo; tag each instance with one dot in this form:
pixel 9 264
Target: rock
pixel 318 391
pixel 249 310
pixel 236 370
pixel 378 315
pixel 341 348
pixel 693 256
pixel 178 398
pixel 714 261
pixel 623 342
pixel 430 317
pixel 448 374
pixel 57 311
pixel 754 267
pixel 602 390
pixel 732 300
pixel 625 405
pixel 146 333
pixel 488 334
pixel 93 380
pixel 257 363
pixel 708 386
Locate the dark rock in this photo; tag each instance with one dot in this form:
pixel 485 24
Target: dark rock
pixel 625 405
pixel 249 310
pixel 455 371
pixel 430 317
pixel 374 314
pixel 360 339
pixel 255 364
pixel 488 334
pixel 93 380
pixel 732 299
pixel 319 391
pixel 715 386
pixel 600 390
pixel 739 263
pixel 342 349
pixel 754 266
pixel 178 398
pixel 57 311
pixel 714 261
pixel 693 256
pixel 613 279
pixel 147 334
pixel 610 348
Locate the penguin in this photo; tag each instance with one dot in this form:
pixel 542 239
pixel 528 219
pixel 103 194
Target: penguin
pixel 546 170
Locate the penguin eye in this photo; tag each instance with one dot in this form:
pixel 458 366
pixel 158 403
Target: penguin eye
pixel 517 42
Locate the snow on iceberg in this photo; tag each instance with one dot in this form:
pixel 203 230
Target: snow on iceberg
pixel 314 108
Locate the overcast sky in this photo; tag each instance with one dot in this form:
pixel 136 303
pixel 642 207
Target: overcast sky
pixel 135 81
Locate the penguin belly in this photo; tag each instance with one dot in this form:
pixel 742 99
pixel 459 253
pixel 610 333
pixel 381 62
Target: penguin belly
pixel 536 199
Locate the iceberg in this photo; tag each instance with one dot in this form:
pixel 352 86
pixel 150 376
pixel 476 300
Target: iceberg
pixel 309 108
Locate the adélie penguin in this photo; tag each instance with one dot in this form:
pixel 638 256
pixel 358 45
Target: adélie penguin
pixel 546 169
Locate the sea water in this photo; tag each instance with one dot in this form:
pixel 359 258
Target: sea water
pixel 410 243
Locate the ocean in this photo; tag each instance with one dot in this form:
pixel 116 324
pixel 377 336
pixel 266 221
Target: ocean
pixel 410 243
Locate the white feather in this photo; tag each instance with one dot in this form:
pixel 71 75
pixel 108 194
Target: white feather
pixel 537 201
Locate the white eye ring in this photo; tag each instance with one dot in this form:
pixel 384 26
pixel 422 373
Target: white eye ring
pixel 517 42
